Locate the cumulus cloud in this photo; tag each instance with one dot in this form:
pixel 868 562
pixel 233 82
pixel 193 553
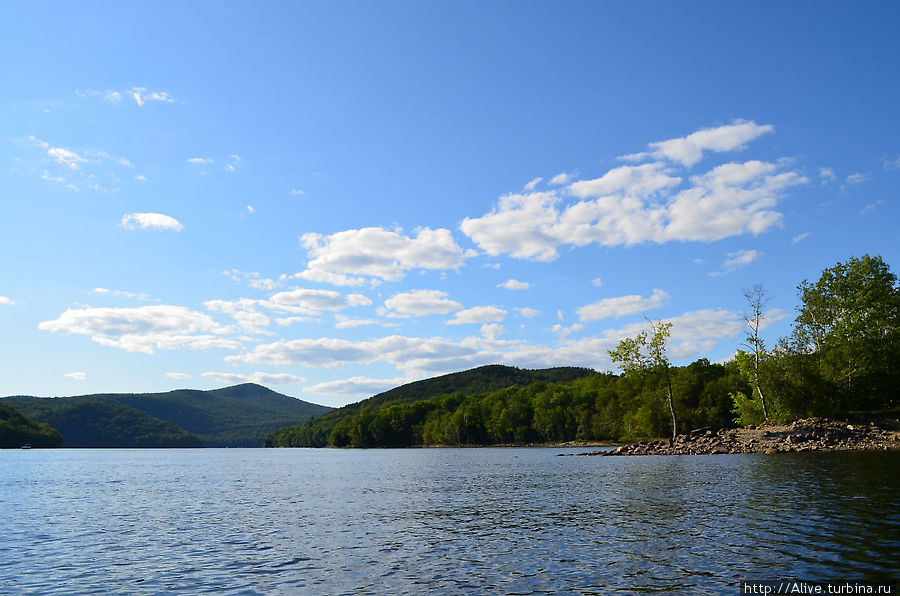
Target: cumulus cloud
pixel 252 279
pixel 317 300
pixel 6 301
pixel 729 200
pixel 77 169
pixel 345 322
pixel 514 284
pixel 379 254
pixel 78 376
pixel 419 303
pixel 144 329
pixel 478 314
pixel 561 178
pixel 178 375
pixel 534 182
pixel 151 221
pixel 856 178
pixel 689 150
pixel 66 157
pixel 693 335
pixel 621 306
pixel 528 313
pixel 259 378
pixel 826 175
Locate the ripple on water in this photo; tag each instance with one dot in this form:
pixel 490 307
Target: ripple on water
pixel 516 521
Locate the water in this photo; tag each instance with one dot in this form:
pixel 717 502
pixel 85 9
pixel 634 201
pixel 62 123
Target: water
pixel 512 521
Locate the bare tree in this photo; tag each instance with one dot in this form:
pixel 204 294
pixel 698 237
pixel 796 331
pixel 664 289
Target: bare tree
pixel 757 299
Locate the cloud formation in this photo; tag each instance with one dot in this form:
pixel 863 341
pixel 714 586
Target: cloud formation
pixel 621 306
pixel 636 204
pixel 144 329
pixel 260 378
pixel 478 314
pixel 419 303
pixel 353 257
pixel 151 221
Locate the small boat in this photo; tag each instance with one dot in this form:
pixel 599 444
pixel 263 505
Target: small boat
pixel 26 446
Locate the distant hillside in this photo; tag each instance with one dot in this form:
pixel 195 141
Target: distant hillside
pixel 239 416
pixel 479 380
pixel 17 430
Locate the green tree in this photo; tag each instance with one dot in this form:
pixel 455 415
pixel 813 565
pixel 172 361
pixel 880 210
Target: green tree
pixel 647 353
pixel 850 320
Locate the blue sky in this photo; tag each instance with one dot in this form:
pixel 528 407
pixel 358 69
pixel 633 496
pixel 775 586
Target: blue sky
pixel 333 198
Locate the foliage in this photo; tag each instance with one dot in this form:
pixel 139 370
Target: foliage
pixel 746 409
pixel 644 353
pixel 17 430
pixel 334 428
pixel 238 416
pixel 598 407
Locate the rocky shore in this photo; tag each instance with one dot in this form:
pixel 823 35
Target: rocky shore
pixel 812 434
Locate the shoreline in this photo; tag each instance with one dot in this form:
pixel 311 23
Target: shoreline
pixel 807 435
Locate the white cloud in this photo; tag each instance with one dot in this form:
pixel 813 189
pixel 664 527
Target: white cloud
pixel 151 221
pixel 252 279
pixel 66 157
pixel 801 237
pixel 419 303
pixel 729 200
pixel 335 279
pixel 534 182
pixel 251 209
pixel 564 331
pixel 857 178
pixel 597 281
pixel 317 300
pixel 621 306
pixel 892 164
pixel 528 313
pixel 741 257
pixel 199 161
pixel 140 178
pixel 514 284
pixel 243 311
pixel 491 330
pixel 6 300
pixel 871 207
pixel 260 378
pixel 297 192
pixel 689 150
pixel 826 175
pixel 639 181
pixel 285 321
pixel 345 322
pixel 138 295
pixel 693 335
pixel 561 178
pixel 355 386
pixel 78 376
pixel 380 254
pixel 144 329
pixel 178 375
pixel 141 96
pixel 478 314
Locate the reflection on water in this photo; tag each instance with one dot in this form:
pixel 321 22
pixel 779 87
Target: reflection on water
pixel 449 520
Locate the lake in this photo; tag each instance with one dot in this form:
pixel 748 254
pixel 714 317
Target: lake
pixel 512 521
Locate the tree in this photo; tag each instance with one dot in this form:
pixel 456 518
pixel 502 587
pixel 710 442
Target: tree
pixel 643 354
pixel 757 299
pixel 850 321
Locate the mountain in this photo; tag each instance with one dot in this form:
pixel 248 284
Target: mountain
pixel 17 430
pixel 479 380
pixel 238 416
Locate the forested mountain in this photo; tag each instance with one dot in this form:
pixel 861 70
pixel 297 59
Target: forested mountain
pixel 479 380
pixel 17 430
pixel 238 416
pixel 590 407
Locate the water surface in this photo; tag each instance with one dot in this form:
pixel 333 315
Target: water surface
pixel 520 521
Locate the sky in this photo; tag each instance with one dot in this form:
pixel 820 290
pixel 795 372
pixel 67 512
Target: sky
pixel 334 198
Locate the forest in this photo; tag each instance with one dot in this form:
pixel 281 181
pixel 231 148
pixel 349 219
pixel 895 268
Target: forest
pixel 840 357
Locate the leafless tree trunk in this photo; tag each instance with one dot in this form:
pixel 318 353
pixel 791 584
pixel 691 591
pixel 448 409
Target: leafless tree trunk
pixel 757 299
